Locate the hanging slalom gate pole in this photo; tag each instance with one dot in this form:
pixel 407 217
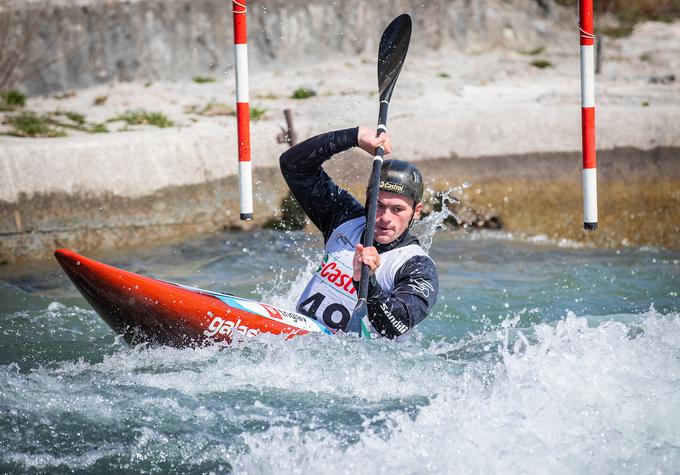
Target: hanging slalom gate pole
pixel 245 173
pixel 586 27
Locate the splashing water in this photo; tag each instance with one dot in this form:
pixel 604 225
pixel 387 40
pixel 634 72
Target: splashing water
pixel 537 358
pixel 283 291
pixel 426 228
pixel 569 403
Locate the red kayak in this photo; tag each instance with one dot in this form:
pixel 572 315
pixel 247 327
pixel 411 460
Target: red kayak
pixel 142 309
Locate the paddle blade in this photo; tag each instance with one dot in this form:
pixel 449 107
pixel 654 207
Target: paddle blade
pixel 360 311
pixel 392 53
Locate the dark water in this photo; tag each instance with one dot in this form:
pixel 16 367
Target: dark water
pixel 539 357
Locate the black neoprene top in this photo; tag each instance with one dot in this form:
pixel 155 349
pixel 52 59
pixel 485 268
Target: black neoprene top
pixel 391 312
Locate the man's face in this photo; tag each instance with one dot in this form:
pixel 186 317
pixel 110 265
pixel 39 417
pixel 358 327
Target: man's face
pixel 393 216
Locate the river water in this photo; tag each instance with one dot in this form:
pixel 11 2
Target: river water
pixel 540 357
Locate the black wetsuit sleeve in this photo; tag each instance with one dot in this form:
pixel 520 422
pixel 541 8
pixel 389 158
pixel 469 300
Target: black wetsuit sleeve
pixel 325 203
pixel 416 286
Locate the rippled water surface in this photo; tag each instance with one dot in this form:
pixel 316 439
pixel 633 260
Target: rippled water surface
pixel 539 357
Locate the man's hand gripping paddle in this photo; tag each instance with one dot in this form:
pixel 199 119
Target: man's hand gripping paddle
pixel 391 56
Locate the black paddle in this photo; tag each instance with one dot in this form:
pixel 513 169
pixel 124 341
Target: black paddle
pixel 391 56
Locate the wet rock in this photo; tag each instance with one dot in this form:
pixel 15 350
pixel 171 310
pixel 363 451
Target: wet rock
pixel 463 216
pixel 466 217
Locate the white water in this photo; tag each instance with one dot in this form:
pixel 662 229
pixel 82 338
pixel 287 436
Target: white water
pixel 562 398
pixel 501 378
pixel 579 400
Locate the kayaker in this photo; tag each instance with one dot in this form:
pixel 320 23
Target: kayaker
pixel 403 285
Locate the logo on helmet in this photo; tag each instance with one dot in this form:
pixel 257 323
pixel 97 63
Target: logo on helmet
pixel 393 187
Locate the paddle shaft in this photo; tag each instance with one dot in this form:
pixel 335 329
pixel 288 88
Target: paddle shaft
pixel 373 197
pixel 391 54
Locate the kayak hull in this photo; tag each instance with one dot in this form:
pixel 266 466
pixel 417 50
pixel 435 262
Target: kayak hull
pixel 147 310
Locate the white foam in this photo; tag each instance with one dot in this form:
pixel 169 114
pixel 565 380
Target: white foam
pixel 578 400
pixel 583 395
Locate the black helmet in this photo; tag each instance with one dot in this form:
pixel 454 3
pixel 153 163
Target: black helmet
pixel 402 178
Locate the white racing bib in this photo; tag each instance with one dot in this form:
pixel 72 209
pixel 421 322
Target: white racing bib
pixel 330 295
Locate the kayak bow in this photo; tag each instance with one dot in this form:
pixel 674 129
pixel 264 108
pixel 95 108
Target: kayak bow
pixel 143 309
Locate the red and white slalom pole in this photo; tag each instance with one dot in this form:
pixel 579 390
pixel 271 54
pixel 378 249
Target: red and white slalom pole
pixel 245 173
pixel 588 114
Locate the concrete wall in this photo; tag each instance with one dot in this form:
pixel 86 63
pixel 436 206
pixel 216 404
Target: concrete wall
pixel 129 188
pixel 78 43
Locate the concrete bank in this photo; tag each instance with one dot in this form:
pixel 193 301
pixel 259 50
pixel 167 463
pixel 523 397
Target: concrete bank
pixel 493 119
pixel 539 194
pixel 639 197
pixel 120 189
pixel 149 185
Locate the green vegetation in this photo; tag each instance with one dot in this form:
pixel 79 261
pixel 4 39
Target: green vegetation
pixel 53 124
pixel 12 100
pixel 211 109
pixel 204 79
pixel 303 93
pixel 292 217
pixel 98 129
pixel 77 121
pixel 74 116
pixel 535 51
pixel 645 104
pixel 217 108
pixel 142 117
pixel 257 113
pixel 444 75
pixel 30 124
pixel 541 63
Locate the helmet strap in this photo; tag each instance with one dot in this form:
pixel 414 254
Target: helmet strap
pixel 413 216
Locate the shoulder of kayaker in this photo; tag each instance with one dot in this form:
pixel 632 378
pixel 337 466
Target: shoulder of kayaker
pixel 416 286
pixel 308 156
pixel 325 203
